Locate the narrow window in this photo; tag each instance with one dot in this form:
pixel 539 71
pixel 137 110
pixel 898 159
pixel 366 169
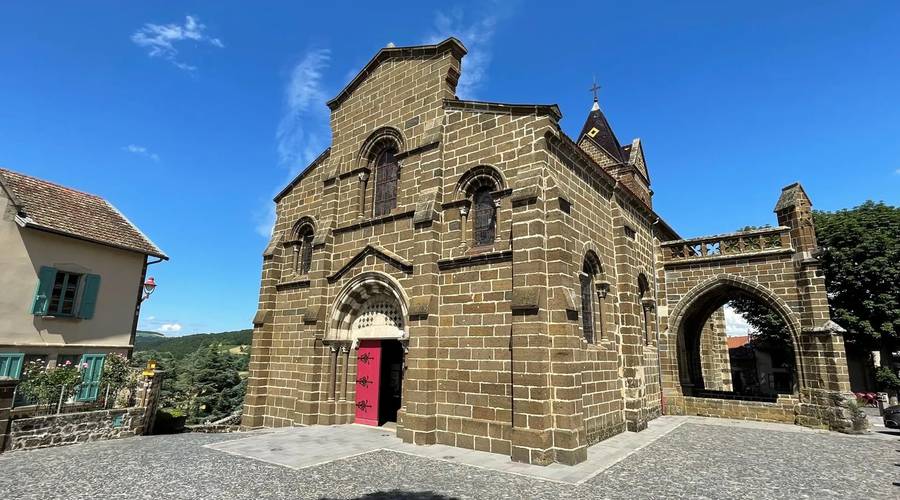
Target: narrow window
pixel 62 297
pixel 587 306
pixel 485 219
pixel 306 252
pixel 303 250
pixel 643 288
pixel 386 170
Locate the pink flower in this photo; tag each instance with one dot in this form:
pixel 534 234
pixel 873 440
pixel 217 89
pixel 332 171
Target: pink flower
pixel 84 365
pixel 68 362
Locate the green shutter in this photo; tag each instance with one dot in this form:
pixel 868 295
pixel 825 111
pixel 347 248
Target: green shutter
pixel 90 376
pixel 46 277
pixel 89 296
pixel 11 364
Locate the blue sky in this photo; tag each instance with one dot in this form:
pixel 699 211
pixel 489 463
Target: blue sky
pixel 189 117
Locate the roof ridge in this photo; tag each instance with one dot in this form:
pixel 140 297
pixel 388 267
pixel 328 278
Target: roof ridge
pixel 54 184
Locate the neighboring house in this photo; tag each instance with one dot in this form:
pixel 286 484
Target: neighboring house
pixel 72 273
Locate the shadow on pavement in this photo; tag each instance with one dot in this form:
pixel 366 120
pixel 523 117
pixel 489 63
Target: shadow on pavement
pixel 401 495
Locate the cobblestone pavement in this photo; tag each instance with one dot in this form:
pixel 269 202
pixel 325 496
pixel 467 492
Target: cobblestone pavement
pixel 695 460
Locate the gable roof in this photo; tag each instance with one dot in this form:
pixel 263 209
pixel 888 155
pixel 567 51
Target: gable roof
pixel 598 130
pixel 318 161
pixel 50 207
pixel 386 53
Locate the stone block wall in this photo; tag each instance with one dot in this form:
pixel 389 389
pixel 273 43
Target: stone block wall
pixel 70 428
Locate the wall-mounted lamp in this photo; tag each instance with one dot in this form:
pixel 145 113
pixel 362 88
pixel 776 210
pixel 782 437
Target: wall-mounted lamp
pixel 149 287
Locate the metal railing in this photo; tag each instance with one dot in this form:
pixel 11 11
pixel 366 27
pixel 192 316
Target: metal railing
pixel 64 400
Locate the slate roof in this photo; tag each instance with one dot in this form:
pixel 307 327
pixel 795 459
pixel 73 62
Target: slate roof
pixel 50 207
pixel 605 137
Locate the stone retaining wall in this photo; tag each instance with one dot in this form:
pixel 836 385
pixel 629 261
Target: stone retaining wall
pixel 69 428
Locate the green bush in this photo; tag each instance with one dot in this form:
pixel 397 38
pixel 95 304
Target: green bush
pixel 886 379
pixel 42 385
pixel 169 421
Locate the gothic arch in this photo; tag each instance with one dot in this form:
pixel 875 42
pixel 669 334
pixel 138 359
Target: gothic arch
pixel 709 295
pixel 368 292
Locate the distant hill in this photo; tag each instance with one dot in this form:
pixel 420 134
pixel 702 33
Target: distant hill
pixel 146 334
pixel 180 347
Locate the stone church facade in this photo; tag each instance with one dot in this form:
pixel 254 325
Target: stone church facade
pixel 468 271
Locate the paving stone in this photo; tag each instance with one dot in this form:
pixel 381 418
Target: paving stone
pixel 695 460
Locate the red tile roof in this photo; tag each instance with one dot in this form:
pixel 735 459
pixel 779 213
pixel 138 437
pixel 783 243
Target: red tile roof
pixel 51 207
pixel 734 342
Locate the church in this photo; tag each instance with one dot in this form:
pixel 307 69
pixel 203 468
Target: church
pixel 465 273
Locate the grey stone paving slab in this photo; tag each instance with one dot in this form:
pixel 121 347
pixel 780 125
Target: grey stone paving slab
pixel 694 460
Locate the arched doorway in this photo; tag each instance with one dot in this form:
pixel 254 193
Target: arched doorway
pixel 369 316
pixel 736 340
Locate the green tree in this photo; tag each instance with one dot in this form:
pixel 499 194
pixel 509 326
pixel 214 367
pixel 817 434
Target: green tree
pixel 771 331
pixel 208 384
pixel 861 262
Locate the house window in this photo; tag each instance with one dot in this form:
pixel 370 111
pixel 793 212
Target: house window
pixel 386 175
pixel 485 220
pixel 62 297
pixel 11 364
pixel 61 293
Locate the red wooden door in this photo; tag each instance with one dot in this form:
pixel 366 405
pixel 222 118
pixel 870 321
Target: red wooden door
pixel 368 373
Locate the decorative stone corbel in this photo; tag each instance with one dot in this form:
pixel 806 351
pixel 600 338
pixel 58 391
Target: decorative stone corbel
pixel 602 288
pixel 828 328
pixel 648 304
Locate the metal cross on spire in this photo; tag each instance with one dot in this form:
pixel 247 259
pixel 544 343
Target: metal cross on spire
pixel 595 88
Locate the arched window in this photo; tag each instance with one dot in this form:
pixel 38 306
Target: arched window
pixel 587 305
pixel 386 177
pixel 485 220
pixel 303 249
pixel 590 269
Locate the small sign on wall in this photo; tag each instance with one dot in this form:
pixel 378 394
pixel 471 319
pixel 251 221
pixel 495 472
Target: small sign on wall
pixel 118 420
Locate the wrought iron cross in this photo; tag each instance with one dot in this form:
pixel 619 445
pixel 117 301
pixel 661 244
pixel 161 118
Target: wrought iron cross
pixel 595 88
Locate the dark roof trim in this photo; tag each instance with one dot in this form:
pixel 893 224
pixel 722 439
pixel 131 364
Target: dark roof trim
pixel 551 110
pixel 319 159
pixel 31 225
pixel 452 44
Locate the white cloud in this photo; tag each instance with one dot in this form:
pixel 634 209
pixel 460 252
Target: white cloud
pixel 160 40
pixel 476 36
pixel 303 132
pixel 735 324
pixel 897 171
pixel 141 150
pixel 169 328
pixel 265 220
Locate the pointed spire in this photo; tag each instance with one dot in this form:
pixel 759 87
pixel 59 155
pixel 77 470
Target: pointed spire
pixel 598 130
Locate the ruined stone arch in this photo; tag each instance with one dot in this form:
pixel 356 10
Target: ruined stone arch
pixel 371 305
pixel 709 295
